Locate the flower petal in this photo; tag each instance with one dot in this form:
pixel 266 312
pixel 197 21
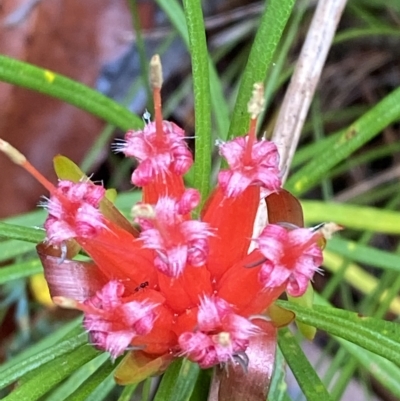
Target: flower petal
pixel 184 292
pixel 121 256
pixel 170 185
pixel 232 219
pixel 161 338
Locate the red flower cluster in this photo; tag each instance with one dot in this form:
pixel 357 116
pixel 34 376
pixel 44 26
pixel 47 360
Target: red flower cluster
pixel 180 286
pixel 202 286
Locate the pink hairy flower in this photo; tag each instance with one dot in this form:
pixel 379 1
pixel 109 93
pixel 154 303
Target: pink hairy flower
pixel 176 239
pixel 221 334
pixel 158 153
pixel 113 321
pixel 292 255
pixel 250 163
pixel 74 211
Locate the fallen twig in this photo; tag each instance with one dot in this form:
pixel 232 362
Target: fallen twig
pixel 305 79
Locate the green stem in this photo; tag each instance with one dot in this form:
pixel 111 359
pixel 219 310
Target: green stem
pixel 269 32
pixel 202 95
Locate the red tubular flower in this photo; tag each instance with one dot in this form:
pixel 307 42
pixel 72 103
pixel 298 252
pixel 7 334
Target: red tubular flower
pixel 159 155
pixel 180 286
pixel 200 287
pixel 176 239
pixel 292 257
pixel 113 321
pixel 220 334
pixel 249 165
pixel 80 217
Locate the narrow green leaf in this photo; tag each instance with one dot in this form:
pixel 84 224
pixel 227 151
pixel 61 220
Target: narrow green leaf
pixel 174 11
pixel 367 156
pixel 219 104
pixel 95 380
pixel 20 270
pixel 141 46
pixel 12 248
pixel 307 152
pixel 269 32
pixel 127 393
pixel 47 82
pixel 356 33
pixel 360 132
pixel 278 386
pixel 352 216
pixel 102 391
pixel 67 331
pixel 202 96
pixel 386 372
pixel 146 388
pixel 34 218
pixel 47 376
pixel 202 386
pixel 279 74
pixel 29 234
pixel 188 375
pixel 364 254
pixel 376 335
pixel 306 376
pixel 14 372
pixel 178 382
pixel 80 384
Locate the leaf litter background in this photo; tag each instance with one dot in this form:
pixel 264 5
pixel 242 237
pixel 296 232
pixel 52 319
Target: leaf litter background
pixel 94 43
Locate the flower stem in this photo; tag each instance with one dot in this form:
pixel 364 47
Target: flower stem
pixel 251 141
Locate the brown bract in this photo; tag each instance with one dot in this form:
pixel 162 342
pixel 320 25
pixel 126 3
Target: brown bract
pixel 62 275
pixel 234 383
